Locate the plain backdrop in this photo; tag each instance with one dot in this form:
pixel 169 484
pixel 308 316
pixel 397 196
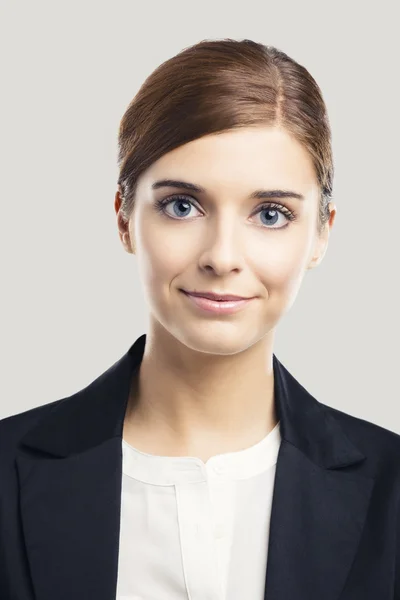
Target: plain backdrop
pixel 71 302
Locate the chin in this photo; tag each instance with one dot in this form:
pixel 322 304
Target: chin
pixel 214 339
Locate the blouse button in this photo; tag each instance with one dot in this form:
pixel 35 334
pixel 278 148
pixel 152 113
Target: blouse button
pixel 219 531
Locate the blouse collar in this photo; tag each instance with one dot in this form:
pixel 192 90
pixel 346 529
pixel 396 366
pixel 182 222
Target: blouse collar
pixel 168 470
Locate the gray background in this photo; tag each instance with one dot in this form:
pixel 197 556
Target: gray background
pixel 71 302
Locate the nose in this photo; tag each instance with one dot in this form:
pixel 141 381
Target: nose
pixel 222 251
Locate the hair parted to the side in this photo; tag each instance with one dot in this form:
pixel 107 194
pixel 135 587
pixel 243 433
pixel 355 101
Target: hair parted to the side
pixel 216 86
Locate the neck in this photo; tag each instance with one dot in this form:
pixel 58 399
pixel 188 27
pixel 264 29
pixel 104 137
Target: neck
pixel 189 400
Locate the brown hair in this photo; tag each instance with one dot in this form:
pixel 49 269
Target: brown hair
pixel 219 85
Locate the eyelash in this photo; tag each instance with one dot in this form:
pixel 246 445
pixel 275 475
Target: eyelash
pixel 163 202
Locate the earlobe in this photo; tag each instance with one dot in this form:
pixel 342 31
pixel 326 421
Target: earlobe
pixel 319 251
pixel 316 259
pixel 129 246
pixel 314 262
pixel 322 241
pixel 126 241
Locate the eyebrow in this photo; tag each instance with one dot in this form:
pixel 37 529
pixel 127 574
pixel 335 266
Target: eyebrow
pixel 258 194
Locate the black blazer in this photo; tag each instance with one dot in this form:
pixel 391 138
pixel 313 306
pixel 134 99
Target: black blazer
pixel 334 531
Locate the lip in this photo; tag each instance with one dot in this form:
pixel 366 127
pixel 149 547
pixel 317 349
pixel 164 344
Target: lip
pixel 221 307
pixel 215 296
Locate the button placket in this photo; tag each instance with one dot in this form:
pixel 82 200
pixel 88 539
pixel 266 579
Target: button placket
pixel 200 559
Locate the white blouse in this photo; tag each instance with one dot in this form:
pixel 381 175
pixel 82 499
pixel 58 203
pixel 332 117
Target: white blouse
pixel 193 530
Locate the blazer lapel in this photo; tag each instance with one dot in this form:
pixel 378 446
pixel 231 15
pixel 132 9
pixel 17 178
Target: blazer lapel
pixel 320 500
pixel 70 473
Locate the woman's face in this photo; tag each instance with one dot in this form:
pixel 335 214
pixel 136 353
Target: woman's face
pixel 222 239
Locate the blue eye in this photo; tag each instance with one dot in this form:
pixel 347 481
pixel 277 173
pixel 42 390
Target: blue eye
pixel 275 214
pixel 182 205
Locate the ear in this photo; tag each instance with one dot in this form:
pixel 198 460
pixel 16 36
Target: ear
pixel 123 224
pixel 321 244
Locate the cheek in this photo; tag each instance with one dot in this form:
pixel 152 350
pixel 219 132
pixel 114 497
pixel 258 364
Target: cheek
pixel 160 253
pixel 281 271
pixel 282 265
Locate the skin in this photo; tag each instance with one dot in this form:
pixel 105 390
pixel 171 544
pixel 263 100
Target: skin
pixel 205 385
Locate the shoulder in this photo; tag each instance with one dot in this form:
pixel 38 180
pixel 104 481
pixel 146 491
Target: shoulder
pixel 380 445
pixel 14 427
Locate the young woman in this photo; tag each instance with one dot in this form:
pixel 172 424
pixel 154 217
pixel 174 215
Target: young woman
pixel 197 466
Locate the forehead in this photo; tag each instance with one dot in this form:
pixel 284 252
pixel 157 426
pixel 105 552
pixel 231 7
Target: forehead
pixel 239 159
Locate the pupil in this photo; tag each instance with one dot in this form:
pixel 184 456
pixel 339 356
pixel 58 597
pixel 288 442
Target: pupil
pixel 183 203
pixel 271 214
